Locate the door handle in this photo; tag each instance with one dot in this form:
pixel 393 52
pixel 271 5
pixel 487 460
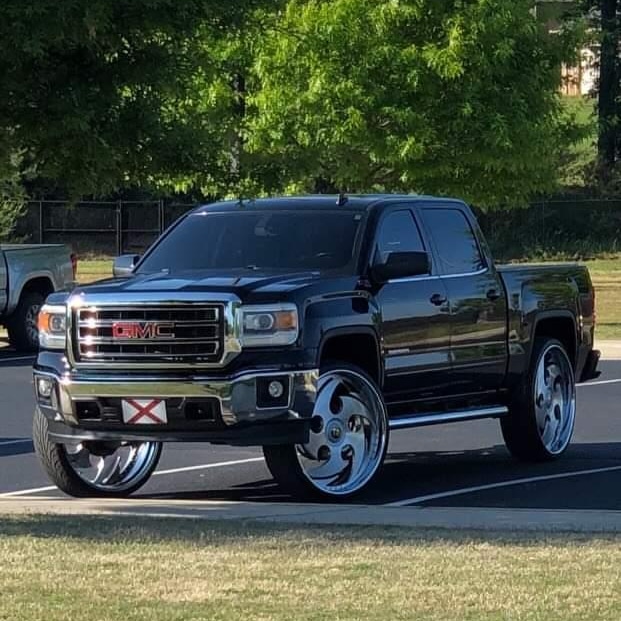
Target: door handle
pixel 492 295
pixel 438 299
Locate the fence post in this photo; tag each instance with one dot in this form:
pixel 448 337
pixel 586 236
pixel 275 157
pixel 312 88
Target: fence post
pixel 160 216
pixel 40 222
pixel 119 225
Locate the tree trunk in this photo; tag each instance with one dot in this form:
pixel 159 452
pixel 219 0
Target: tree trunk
pixel 608 90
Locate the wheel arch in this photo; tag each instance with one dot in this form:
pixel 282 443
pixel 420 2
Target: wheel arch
pixel 559 325
pixel 357 345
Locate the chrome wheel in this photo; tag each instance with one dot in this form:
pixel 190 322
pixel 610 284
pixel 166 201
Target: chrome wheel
pixel 349 431
pixel 555 399
pixel 112 467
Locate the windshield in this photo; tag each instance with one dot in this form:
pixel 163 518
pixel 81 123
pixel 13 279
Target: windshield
pixel 263 241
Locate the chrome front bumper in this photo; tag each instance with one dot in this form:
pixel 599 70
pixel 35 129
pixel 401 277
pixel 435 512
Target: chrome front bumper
pixel 237 395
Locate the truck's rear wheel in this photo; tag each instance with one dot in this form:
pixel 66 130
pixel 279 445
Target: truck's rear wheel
pixel 95 469
pixel 348 439
pixel 541 418
pixel 22 324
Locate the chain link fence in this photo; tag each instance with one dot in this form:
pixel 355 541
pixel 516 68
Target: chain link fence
pixel 97 228
pixel 545 229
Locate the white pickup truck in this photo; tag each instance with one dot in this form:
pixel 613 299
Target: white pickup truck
pixel 28 274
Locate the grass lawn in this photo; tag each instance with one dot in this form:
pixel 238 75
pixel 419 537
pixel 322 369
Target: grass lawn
pixel 606 274
pixel 94 269
pixel 66 568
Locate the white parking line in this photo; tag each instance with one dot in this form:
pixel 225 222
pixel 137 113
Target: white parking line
pixel 478 488
pixel 599 382
pixel 7 442
pixel 219 464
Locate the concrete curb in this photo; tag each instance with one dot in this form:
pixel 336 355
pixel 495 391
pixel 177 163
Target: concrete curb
pixel 611 350
pixel 503 520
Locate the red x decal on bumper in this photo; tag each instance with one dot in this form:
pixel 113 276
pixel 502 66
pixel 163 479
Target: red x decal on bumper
pixel 144 412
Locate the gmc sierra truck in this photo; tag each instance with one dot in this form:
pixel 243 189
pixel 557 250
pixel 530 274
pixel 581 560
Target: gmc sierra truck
pixel 28 274
pixel 313 327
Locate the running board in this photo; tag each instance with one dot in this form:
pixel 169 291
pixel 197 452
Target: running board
pixel 422 420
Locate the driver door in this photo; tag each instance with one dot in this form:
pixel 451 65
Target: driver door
pixel 415 317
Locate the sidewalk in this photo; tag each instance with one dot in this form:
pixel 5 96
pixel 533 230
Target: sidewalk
pixel 611 350
pixel 514 520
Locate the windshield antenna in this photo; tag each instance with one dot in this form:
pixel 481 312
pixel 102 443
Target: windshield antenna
pixel 341 200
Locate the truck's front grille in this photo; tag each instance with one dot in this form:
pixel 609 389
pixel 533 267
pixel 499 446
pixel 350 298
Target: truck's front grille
pixel 147 334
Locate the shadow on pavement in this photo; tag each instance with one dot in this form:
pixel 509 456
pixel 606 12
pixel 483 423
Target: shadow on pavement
pixel 15 446
pixel 411 475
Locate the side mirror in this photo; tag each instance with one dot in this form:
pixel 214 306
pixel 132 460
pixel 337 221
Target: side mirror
pixel 124 265
pixel 401 265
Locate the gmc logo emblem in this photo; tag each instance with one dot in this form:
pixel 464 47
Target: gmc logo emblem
pixel 142 330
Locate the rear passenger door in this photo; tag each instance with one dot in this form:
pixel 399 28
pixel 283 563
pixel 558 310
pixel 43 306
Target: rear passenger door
pixel 478 306
pixel 415 315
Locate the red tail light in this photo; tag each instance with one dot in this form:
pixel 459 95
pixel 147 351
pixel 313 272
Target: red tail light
pixel 74 265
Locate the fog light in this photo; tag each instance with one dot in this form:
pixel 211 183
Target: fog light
pixel 276 389
pixel 45 387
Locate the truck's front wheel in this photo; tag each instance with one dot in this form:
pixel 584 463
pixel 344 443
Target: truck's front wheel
pixel 95 469
pixel 541 417
pixel 347 443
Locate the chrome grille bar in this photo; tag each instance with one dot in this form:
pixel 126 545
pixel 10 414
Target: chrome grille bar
pixel 166 333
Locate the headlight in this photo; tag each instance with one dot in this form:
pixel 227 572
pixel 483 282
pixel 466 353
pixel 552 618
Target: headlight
pixel 269 325
pixel 52 326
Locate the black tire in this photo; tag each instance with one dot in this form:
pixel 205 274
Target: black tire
pixel 23 335
pixel 520 428
pixel 54 460
pixel 284 463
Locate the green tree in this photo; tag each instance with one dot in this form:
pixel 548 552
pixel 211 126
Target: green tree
pixel 444 96
pixel 99 95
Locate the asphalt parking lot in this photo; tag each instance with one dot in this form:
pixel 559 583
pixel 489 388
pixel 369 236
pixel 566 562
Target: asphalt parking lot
pixel 459 465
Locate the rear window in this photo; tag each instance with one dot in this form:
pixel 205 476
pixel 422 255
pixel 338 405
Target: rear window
pixel 266 241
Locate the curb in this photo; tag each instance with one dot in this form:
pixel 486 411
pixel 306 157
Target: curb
pixel 611 350
pixel 482 519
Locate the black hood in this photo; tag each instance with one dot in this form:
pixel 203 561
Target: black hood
pixel 191 282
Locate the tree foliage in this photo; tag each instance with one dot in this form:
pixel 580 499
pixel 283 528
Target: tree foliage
pixel 450 96
pixel 97 95
pixel 445 96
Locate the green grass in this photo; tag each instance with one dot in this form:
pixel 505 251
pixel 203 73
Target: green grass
pixel 67 568
pixel 606 276
pixel 90 270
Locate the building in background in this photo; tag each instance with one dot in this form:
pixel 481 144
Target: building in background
pixel 580 79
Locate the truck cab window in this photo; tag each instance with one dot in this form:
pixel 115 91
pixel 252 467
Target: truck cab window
pixel 398 233
pixel 456 246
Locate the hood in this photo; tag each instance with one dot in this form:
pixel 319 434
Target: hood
pixel 188 282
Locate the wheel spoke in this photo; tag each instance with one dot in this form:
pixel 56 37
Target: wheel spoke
pixel 80 457
pixel 351 406
pixel 315 442
pixel 324 398
pixel 358 444
pixel 331 468
pixel 107 468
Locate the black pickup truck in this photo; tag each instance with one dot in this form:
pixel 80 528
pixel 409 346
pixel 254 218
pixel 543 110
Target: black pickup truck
pixel 313 327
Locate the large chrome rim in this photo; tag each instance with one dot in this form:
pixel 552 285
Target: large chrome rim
pixel 348 434
pixel 112 467
pixel 555 399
